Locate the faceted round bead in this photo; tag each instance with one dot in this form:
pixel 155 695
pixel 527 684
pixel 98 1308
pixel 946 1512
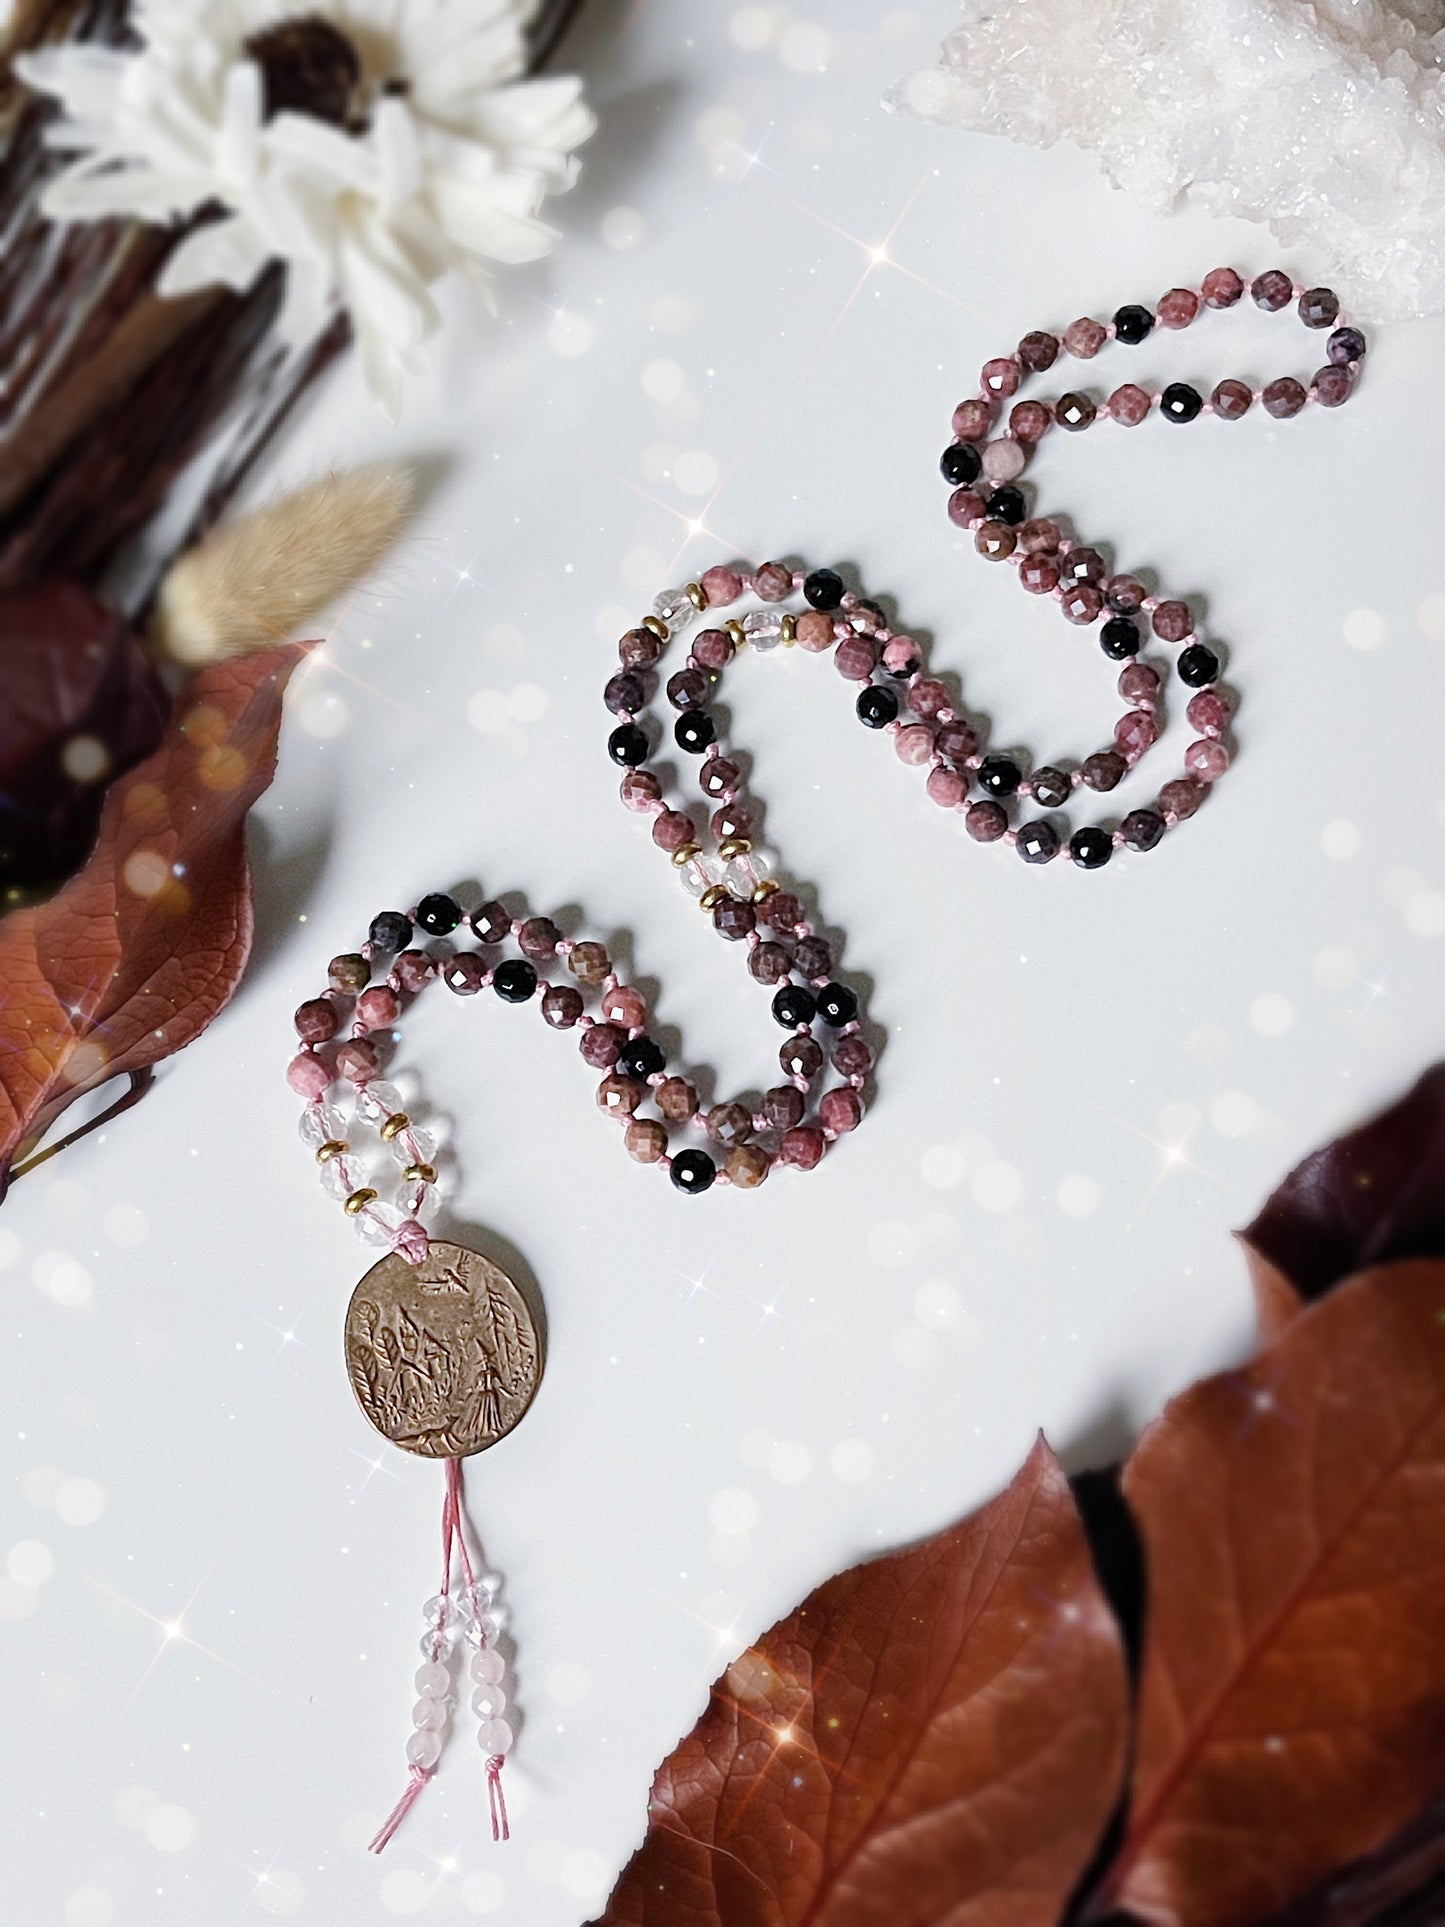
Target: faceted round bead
pixel 1074 411
pixel 733 818
pixel 1007 505
pixel 432 1680
pixel 856 658
pixel 986 822
pixel 1084 338
pixel 927 696
pixel 840 1110
pixel 1132 324
pixel 1040 536
pixel 308 1076
pixel 561 1006
pixel 972 420
pixel 488 1668
pixel 1083 565
pixel 438 915
pixel 1039 574
pixel 812 958
pixel 639 649
pixel 1139 684
pixel 965 507
pixel 877 706
pixel 1345 345
pixel 1181 798
pixel 671 829
pixel 960 464
pixel 720 586
pixel 357 1060
pixel 823 589
pixel 1125 594
pixel 424 1749
pixel 1082 603
pixel 769 963
pixel 1319 307
pixel 389 932
pixel 1136 732
pixel 1000 378
pixel 693 1172
pixel 639 789
pixel 837 1005
pixel 1172 621
pixel 729 1124
pixel 712 648
pixel 999 775
pixel 780 911
pixel 640 1057
pixel 1050 787
pixel 349 973
pixel 1272 290
pixel 783 1107
pixel 1178 308
pixel 1029 421
pixel 946 788
pixel 1206 759
pixel 317 1020
pixel 1142 829
pixel 1208 712
pixel 794 1004
pixel 1198 665
pixel 801 1057
pixel 694 730
pixel 1038 351
pixel 773 581
pixel 627 745
pixel 1038 842
pixel 429 1715
pixel 495 1738
pixel 1004 460
pixel 515 980
pixel 600 1045
pixel 626 692
pixel 688 688
pixel 1231 399
pixel 1180 402
pixel 733 919
pixel 1333 385
pixel 718 776
pixel 994 540
pixel 1222 287
pixel 492 923
pixel 620 1096
pixel 1129 405
pixel 463 974
pixel 803 1146
pixel 489 1702
pixel 589 963
pixel 676 1099
pixel 1119 638
pixel 646 1140
pixel 625 1007
pixel 1105 770
pixel 1091 848
pixel 747 1166
pixel 1284 397
pixel 538 938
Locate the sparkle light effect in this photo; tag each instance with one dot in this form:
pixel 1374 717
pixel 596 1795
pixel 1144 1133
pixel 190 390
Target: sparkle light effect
pixel 173 1634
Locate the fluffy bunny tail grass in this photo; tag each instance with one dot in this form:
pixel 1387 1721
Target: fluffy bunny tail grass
pixel 262 577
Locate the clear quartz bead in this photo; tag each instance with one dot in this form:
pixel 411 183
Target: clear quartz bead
pixel 700 874
pixel 672 605
pixel 745 873
pixel 433 1680
pixel 763 628
pixel 414 1147
pixel 438 1609
pixel 338 1177
pixel 378 1224
pixel 424 1749
pixel 429 1715
pixel 378 1100
pixel 420 1201
pixel 488 1667
pixel 437 1644
pixel 493 1736
pixel 488 1702
pixel 320 1124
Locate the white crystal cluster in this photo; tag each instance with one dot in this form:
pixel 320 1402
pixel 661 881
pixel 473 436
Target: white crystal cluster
pixel 1326 121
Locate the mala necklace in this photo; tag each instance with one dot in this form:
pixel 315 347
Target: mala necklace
pixel 442 1349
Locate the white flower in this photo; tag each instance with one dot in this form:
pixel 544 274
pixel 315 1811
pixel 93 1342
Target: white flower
pixel 371 147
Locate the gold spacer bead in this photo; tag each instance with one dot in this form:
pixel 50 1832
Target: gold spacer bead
pixel 359 1200
pixel 734 846
pixel 790 631
pixel 736 631
pixel 684 854
pixel 332 1148
pixel 710 899
pixel 394 1126
pixel 767 888
pixel 656 625
pixel 697 596
pixel 423 1173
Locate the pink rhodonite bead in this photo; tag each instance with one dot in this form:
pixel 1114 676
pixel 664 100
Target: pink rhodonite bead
pixel 857 658
pixel 1039 574
pixel 926 696
pixel 308 1076
pixel 1222 287
pixel 972 420
pixel 317 1020
pixel 1173 622
pixel 639 789
pixel 946 788
pixel 671 829
pixel 1135 732
pixel 1231 399
pixel 378 1007
pixel 841 1110
pixel 1206 759
pixel 1084 338
pixel 625 1008
pixel 1028 420
pixel 413 971
pixel 357 1060
pixel 900 657
pixel 712 648
pixel 1000 378
pixel 815 630
pixel 965 507
pixel 1208 712
pixel 1139 684
pixel 914 744
pixel 772 582
pixel 721 586
pixel 1003 460
pixel 803 1146
pixel 1177 309
pixel 1181 798
pixel 1039 536
pixel 1129 405
pixel 1081 602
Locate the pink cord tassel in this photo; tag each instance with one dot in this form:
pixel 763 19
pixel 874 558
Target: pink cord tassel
pixel 497 1799
pixel 419 1777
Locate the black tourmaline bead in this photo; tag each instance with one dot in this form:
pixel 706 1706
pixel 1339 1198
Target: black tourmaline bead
pixel 390 931
pixel 823 589
pixel 1198 665
pixel 1007 505
pixel 960 464
pixel 693 1172
pixel 1091 849
pixel 1038 842
pixel 438 915
pixel 795 1004
pixel 877 706
pixel 515 980
pixel 694 730
pixel 1132 324
pixel 1119 638
pixel 1142 829
pixel 627 745
pixel 1180 402
pixel 626 691
pixel 999 776
pixel 640 1058
pixel 837 1005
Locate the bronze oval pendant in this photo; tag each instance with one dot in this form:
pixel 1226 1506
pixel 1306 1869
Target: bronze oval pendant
pixel 443 1356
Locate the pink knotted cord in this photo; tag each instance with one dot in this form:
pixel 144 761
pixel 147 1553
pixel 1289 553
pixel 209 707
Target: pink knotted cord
pixel 419 1777
pixel 498 1799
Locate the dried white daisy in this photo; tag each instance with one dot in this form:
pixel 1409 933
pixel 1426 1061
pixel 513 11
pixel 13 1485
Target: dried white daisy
pixel 371 146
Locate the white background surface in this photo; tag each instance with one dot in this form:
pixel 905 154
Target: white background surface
pixel 1088 1079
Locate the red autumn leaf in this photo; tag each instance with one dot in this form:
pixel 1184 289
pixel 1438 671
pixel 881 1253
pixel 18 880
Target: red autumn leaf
pixel 1373 1196
pixel 145 944
pixel 1292 1699
pixel 1276 1302
pixel 937 1736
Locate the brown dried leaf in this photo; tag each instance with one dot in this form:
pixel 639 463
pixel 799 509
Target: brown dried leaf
pixel 1292 1704
pixel 937 1736
pixel 1276 1302
pixel 145 944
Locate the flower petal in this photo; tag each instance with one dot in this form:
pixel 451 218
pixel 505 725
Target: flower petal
pixel 230 253
pixel 473 220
